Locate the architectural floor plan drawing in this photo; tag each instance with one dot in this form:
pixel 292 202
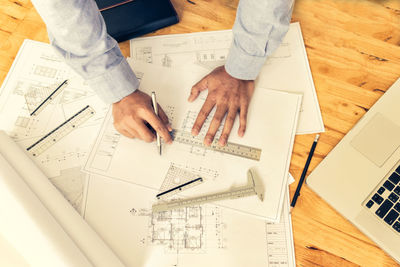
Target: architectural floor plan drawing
pixel 287 69
pixel 186 230
pixel 119 157
pixel 36 72
pixel 205 235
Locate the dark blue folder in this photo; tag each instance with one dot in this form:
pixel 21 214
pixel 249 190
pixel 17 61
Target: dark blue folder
pixel 126 19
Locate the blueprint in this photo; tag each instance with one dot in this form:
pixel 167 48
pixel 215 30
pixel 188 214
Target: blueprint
pixel 35 73
pixel 205 235
pixel 287 69
pixel 116 156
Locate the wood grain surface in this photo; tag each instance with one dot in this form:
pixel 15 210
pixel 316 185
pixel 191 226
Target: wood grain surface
pixel 354 52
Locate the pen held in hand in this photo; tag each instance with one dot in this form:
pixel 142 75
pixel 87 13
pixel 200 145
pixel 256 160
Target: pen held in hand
pixel 155 106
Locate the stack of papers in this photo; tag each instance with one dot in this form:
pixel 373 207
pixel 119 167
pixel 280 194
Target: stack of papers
pixel 137 162
pixel 113 183
pixel 287 69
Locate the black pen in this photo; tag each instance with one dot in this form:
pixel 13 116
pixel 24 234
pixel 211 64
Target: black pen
pixel 303 174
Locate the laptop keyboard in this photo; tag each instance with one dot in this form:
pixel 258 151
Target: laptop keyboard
pixel 384 202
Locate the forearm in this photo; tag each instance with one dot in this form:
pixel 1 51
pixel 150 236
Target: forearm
pixel 78 32
pixel 259 29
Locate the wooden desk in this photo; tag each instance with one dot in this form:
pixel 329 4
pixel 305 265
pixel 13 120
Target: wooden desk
pixel 354 53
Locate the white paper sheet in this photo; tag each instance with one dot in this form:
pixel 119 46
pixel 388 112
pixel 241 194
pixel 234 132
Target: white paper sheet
pixel 35 73
pixel 137 162
pixel 38 221
pixel 286 70
pixel 9 256
pixel 205 235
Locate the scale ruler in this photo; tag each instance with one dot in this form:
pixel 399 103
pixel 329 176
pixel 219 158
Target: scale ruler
pixel 48 99
pixel 179 188
pixel 60 131
pixel 203 199
pixel 253 187
pixel 177 179
pixel 243 151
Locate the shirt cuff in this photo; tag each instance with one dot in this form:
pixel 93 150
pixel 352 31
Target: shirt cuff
pixel 242 66
pixel 115 84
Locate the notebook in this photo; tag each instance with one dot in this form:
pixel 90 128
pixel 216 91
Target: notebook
pixel 126 19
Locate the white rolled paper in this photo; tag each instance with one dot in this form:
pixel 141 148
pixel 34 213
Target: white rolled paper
pixel 36 219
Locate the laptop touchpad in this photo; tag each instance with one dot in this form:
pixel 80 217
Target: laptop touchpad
pixel 378 139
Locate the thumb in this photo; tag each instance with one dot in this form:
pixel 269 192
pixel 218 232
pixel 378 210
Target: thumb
pixel 197 88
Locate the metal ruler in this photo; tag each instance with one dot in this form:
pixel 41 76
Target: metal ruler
pixel 60 131
pixel 243 151
pixel 253 187
pixel 48 99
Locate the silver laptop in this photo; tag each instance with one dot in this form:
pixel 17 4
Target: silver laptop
pixel 360 177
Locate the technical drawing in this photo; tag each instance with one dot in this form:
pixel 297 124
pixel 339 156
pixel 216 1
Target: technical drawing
pixel 211 59
pixel 189 120
pixel 50 57
pixel 70 183
pixel 290 56
pixel 52 158
pixel 71 95
pixel 185 230
pixel 277 248
pixel 197 147
pixel 47 72
pixel 144 54
pixel 108 145
pixel 19 89
pixel 35 95
pixel 22 122
pixel 139 75
pixel 61 131
pixel 212 39
pixel 203 172
pixel 35 73
pixel 166 61
pixel 44 71
pixel 25 127
pixel 170 112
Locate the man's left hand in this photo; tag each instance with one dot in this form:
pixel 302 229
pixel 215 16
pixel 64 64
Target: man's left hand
pixel 230 96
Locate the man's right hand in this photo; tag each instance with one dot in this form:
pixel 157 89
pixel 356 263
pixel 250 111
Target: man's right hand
pixel 133 112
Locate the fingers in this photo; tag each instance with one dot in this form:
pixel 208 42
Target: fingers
pixel 197 88
pixel 202 116
pixel 215 123
pixel 243 118
pixel 164 118
pixel 144 132
pixel 158 126
pixel 136 129
pixel 130 133
pixel 127 134
pixel 134 112
pixel 230 119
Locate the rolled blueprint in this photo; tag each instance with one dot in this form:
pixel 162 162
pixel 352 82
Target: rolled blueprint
pixel 38 222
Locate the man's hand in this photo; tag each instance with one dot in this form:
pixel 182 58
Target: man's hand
pixel 230 96
pixel 134 111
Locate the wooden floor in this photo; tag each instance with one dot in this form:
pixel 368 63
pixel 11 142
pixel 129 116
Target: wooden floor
pixel 354 51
